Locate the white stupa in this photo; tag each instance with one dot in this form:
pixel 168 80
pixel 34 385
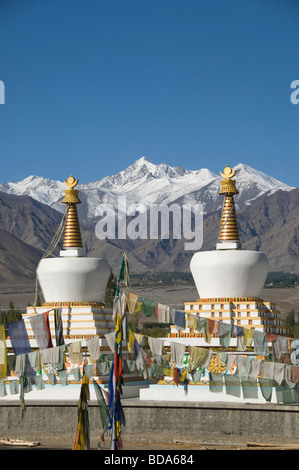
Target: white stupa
pixel 229 271
pixel 229 281
pixel 73 277
pixel 73 281
pixel 76 284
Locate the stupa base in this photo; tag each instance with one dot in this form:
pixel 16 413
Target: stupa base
pixel 71 392
pixel 81 320
pixel 204 391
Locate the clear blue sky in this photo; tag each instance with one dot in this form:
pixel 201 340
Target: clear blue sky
pixel 93 85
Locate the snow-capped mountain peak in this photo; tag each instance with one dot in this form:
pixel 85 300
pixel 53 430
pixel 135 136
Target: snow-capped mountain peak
pixel 245 172
pixel 140 171
pixel 44 190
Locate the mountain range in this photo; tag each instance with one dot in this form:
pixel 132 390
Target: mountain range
pixel 150 184
pixel 30 212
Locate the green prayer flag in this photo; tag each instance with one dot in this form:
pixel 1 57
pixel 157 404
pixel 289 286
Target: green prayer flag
pixel 148 307
pixel 101 404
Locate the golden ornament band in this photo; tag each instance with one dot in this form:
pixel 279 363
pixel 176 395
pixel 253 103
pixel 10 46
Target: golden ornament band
pixel 72 233
pixel 228 224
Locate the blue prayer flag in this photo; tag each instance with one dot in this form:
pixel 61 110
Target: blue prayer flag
pixel 19 337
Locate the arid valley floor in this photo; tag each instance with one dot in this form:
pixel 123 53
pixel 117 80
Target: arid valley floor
pixel 174 295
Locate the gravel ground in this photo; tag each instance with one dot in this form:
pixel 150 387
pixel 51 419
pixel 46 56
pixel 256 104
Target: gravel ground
pixel 135 444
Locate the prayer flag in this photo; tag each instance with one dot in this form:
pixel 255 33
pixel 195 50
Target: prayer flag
pixel 163 313
pixel 196 357
pixel 41 330
pixel 148 307
pixel 115 411
pixel 3 353
pixel 138 306
pixel 224 333
pixel 82 441
pixel 93 346
pixel 19 337
pixel 124 270
pixel 191 322
pixel 260 343
pixel 177 352
pixel 47 326
pixel 75 352
pixel 156 345
pixel 58 327
pixel 101 404
pixel 179 319
pixel 131 302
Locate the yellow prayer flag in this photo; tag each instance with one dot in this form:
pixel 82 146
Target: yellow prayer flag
pixel 168 372
pixel 131 341
pixel 118 329
pixel 248 336
pixel 3 353
pixel 191 322
pixel 138 306
pixel 131 302
pixel 183 375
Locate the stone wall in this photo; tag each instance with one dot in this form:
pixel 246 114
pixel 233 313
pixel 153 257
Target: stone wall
pixel 157 421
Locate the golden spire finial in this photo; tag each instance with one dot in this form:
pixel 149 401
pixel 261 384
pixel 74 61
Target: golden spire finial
pixel 228 185
pixel 71 195
pixel 71 182
pixel 228 173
